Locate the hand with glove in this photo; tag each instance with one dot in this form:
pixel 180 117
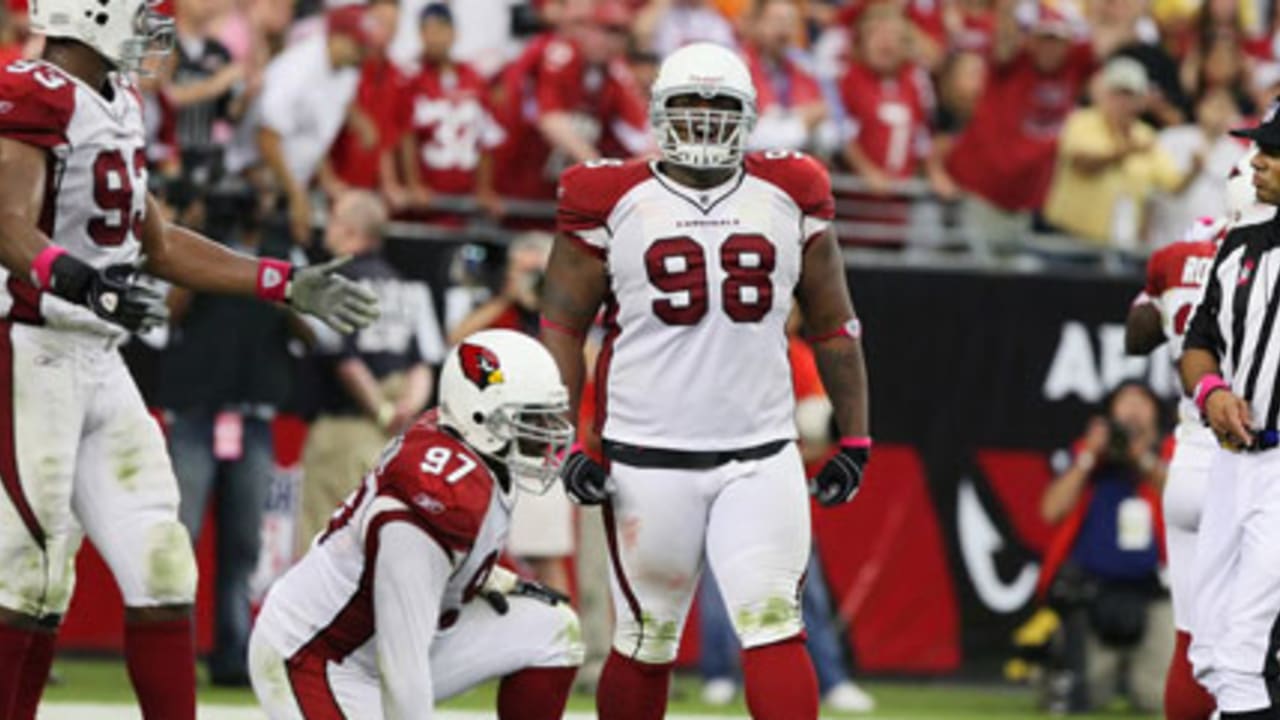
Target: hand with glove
pixel 502 583
pixel 115 293
pixel 838 481
pixel 586 482
pixel 343 304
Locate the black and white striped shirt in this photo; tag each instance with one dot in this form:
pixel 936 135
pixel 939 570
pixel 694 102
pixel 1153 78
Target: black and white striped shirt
pixel 1236 319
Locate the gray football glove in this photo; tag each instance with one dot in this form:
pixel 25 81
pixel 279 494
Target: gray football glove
pixel 343 304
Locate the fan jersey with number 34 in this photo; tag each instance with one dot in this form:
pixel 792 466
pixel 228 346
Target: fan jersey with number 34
pixel 700 286
pixel 95 184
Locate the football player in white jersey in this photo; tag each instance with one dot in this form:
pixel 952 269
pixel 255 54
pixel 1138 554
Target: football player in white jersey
pixel 1176 274
pixel 399 603
pixel 79 453
pixel 696 257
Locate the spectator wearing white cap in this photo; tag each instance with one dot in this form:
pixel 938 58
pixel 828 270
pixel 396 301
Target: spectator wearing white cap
pixel 305 95
pixel 1109 165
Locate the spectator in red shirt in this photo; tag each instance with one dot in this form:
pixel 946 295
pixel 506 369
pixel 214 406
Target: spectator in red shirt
pixel 789 100
pixel 362 154
pixel 451 132
pixel 569 98
pixel 889 100
pixel 1005 157
pixel 15 32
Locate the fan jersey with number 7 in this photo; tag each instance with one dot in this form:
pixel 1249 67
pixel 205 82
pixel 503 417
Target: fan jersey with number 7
pixel 700 286
pixel 95 184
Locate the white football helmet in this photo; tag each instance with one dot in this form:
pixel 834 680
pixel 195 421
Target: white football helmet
pixel 125 32
pixel 1242 199
pixel 501 391
pixel 703 137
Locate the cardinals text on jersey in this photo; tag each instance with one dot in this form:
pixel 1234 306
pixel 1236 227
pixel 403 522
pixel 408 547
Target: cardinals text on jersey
pixel 96 188
pixel 695 355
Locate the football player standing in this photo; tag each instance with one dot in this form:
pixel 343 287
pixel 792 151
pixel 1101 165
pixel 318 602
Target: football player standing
pixel 695 257
pixel 79 454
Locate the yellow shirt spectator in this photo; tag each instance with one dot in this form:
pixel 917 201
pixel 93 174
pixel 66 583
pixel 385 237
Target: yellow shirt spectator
pixel 1105 203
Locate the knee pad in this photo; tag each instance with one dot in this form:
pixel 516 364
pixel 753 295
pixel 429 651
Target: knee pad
pixel 648 639
pixel 167 573
pixel 568 647
pixel 39 582
pixel 767 621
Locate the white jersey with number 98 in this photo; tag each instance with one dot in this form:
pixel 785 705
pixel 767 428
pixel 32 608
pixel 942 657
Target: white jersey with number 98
pixel 700 286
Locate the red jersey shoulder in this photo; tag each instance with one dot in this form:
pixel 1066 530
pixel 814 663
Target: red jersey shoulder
pixel 36 103
pixel 589 191
pixel 801 177
pixel 445 483
pixel 468 77
pixel 1181 264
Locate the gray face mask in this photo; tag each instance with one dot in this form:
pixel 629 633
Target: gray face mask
pixel 153 36
pixel 700 137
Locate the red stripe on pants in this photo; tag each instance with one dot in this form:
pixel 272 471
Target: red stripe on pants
pixel 611 534
pixel 8 439
pixel 309 679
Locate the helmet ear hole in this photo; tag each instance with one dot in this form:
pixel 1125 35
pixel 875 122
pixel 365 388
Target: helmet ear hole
pixel 478 417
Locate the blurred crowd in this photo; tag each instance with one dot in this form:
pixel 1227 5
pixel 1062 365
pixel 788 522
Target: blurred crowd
pixel 1103 120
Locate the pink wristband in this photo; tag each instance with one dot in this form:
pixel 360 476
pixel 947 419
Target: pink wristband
pixel 861 441
pixel 548 324
pixel 1206 386
pixel 850 329
pixel 273 279
pixel 42 266
pixel 575 447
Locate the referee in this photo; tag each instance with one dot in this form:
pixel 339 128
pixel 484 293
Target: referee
pixel 1231 366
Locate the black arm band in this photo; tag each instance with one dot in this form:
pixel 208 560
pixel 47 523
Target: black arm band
pixel 69 278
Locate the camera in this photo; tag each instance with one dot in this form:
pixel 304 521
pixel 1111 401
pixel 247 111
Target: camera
pixel 1118 444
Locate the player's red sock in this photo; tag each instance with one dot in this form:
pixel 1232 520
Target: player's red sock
pixel 779 681
pixel 162 666
pixel 14 643
pixel 35 672
pixel 632 690
pixel 1184 698
pixel 535 693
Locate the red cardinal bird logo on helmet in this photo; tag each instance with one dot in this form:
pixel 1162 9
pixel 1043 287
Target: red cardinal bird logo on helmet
pixel 480 365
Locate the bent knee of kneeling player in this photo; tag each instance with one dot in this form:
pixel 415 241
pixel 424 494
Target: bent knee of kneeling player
pixel 567 648
pixel 167 573
pixel 767 621
pixel 650 640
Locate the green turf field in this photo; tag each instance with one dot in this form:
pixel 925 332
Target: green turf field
pixel 105 681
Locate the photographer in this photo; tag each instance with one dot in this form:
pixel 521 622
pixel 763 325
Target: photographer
pixel 516 307
pixel 1102 570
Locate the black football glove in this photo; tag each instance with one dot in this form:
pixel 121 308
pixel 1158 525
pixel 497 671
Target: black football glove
pixel 115 293
pixel 586 482
pixel 538 591
pixel 523 588
pixel 837 482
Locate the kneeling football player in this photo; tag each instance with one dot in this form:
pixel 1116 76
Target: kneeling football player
pixel 399 603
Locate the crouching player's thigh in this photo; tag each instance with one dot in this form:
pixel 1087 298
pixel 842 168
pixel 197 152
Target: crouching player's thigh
pixel 311 686
pixel 484 645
